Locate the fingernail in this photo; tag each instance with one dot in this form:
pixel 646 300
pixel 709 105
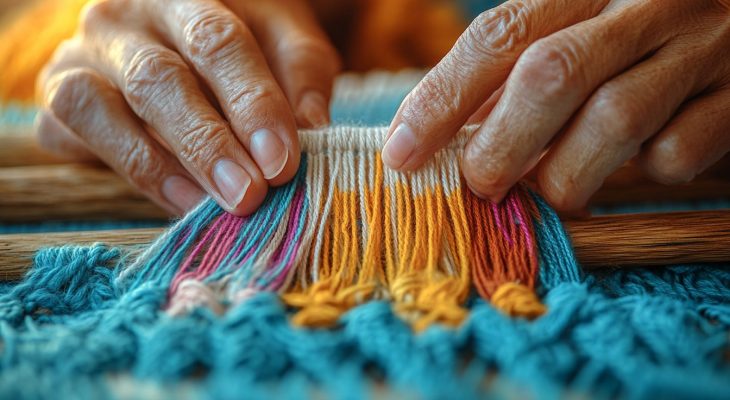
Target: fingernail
pixel 269 152
pixel 181 192
pixel 399 146
pixel 232 182
pixel 313 108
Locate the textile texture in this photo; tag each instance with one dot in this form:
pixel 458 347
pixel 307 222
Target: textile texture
pixel 355 282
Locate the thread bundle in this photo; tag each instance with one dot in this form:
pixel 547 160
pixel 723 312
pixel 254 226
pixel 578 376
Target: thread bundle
pixel 347 231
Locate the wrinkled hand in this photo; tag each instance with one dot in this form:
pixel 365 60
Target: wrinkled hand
pixel 183 95
pixel 574 89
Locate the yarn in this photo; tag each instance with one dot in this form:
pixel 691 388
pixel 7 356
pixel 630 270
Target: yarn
pixel 347 231
pixel 633 334
pixel 88 322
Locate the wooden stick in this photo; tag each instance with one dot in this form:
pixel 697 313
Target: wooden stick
pixel 91 192
pixel 607 241
pixel 19 149
pixel 70 191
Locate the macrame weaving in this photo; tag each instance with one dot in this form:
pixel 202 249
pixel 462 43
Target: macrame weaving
pixel 354 281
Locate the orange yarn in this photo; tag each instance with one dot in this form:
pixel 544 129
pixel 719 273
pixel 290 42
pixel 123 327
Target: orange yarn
pixel 27 44
pixel 504 254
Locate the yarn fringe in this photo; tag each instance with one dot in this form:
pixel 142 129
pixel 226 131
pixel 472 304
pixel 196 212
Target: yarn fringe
pixel 346 231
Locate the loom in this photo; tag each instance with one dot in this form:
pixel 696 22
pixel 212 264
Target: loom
pixel 354 281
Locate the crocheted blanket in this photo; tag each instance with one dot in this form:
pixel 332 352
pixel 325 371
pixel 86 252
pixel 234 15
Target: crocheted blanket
pixel 355 281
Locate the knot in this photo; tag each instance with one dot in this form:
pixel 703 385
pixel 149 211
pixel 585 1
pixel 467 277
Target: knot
pixel 423 303
pixel 323 305
pixel 191 294
pixel 517 300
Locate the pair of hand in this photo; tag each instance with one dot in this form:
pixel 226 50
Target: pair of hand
pixel 179 95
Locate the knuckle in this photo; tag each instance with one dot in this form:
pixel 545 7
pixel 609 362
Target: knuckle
pixel 150 73
pixel 669 162
pixel 212 34
pixel 550 68
pixel 94 13
pixel 622 113
pixel 500 30
pixel 73 93
pixel 200 144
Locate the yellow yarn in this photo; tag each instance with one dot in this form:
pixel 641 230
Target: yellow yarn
pixel 517 300
pixel 404 238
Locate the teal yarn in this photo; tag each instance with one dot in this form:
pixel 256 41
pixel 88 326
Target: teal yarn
pixel 84 323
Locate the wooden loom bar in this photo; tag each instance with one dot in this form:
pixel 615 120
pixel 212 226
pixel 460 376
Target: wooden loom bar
pixel 89 192
pixel 71 192
pixel 606 241
pixel 19 149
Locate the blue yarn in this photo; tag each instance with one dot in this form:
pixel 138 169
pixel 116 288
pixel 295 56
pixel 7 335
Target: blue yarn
pixel 73 323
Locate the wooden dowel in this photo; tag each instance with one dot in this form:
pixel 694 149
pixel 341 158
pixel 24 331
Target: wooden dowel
pixel 19 149
pixel 607 241
pixel 72 192
pixel 92 192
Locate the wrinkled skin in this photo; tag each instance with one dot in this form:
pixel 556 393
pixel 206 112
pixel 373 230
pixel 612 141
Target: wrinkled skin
pixel 184 97
pixel 571 90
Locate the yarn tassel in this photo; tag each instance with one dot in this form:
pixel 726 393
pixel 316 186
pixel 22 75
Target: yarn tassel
pixel 504 252
pixel 346 231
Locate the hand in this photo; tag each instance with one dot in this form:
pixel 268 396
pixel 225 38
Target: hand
pixel 186 96
pixel 575 89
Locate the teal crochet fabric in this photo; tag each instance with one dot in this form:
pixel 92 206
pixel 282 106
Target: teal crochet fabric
pixel 75 328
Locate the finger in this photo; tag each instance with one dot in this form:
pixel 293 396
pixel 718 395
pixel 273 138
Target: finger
pixel 92 108
pixel 481 114
pixel 477 65
pixel 160 89
pixel 54 136
pixel 301 56
pixel 694 140
pixel 612 125
pixel 225 54
pixel 548 84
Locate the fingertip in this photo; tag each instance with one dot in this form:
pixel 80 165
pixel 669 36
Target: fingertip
pixel 251 200
pixel 239 190
pixel 399 146
pixel 289 171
